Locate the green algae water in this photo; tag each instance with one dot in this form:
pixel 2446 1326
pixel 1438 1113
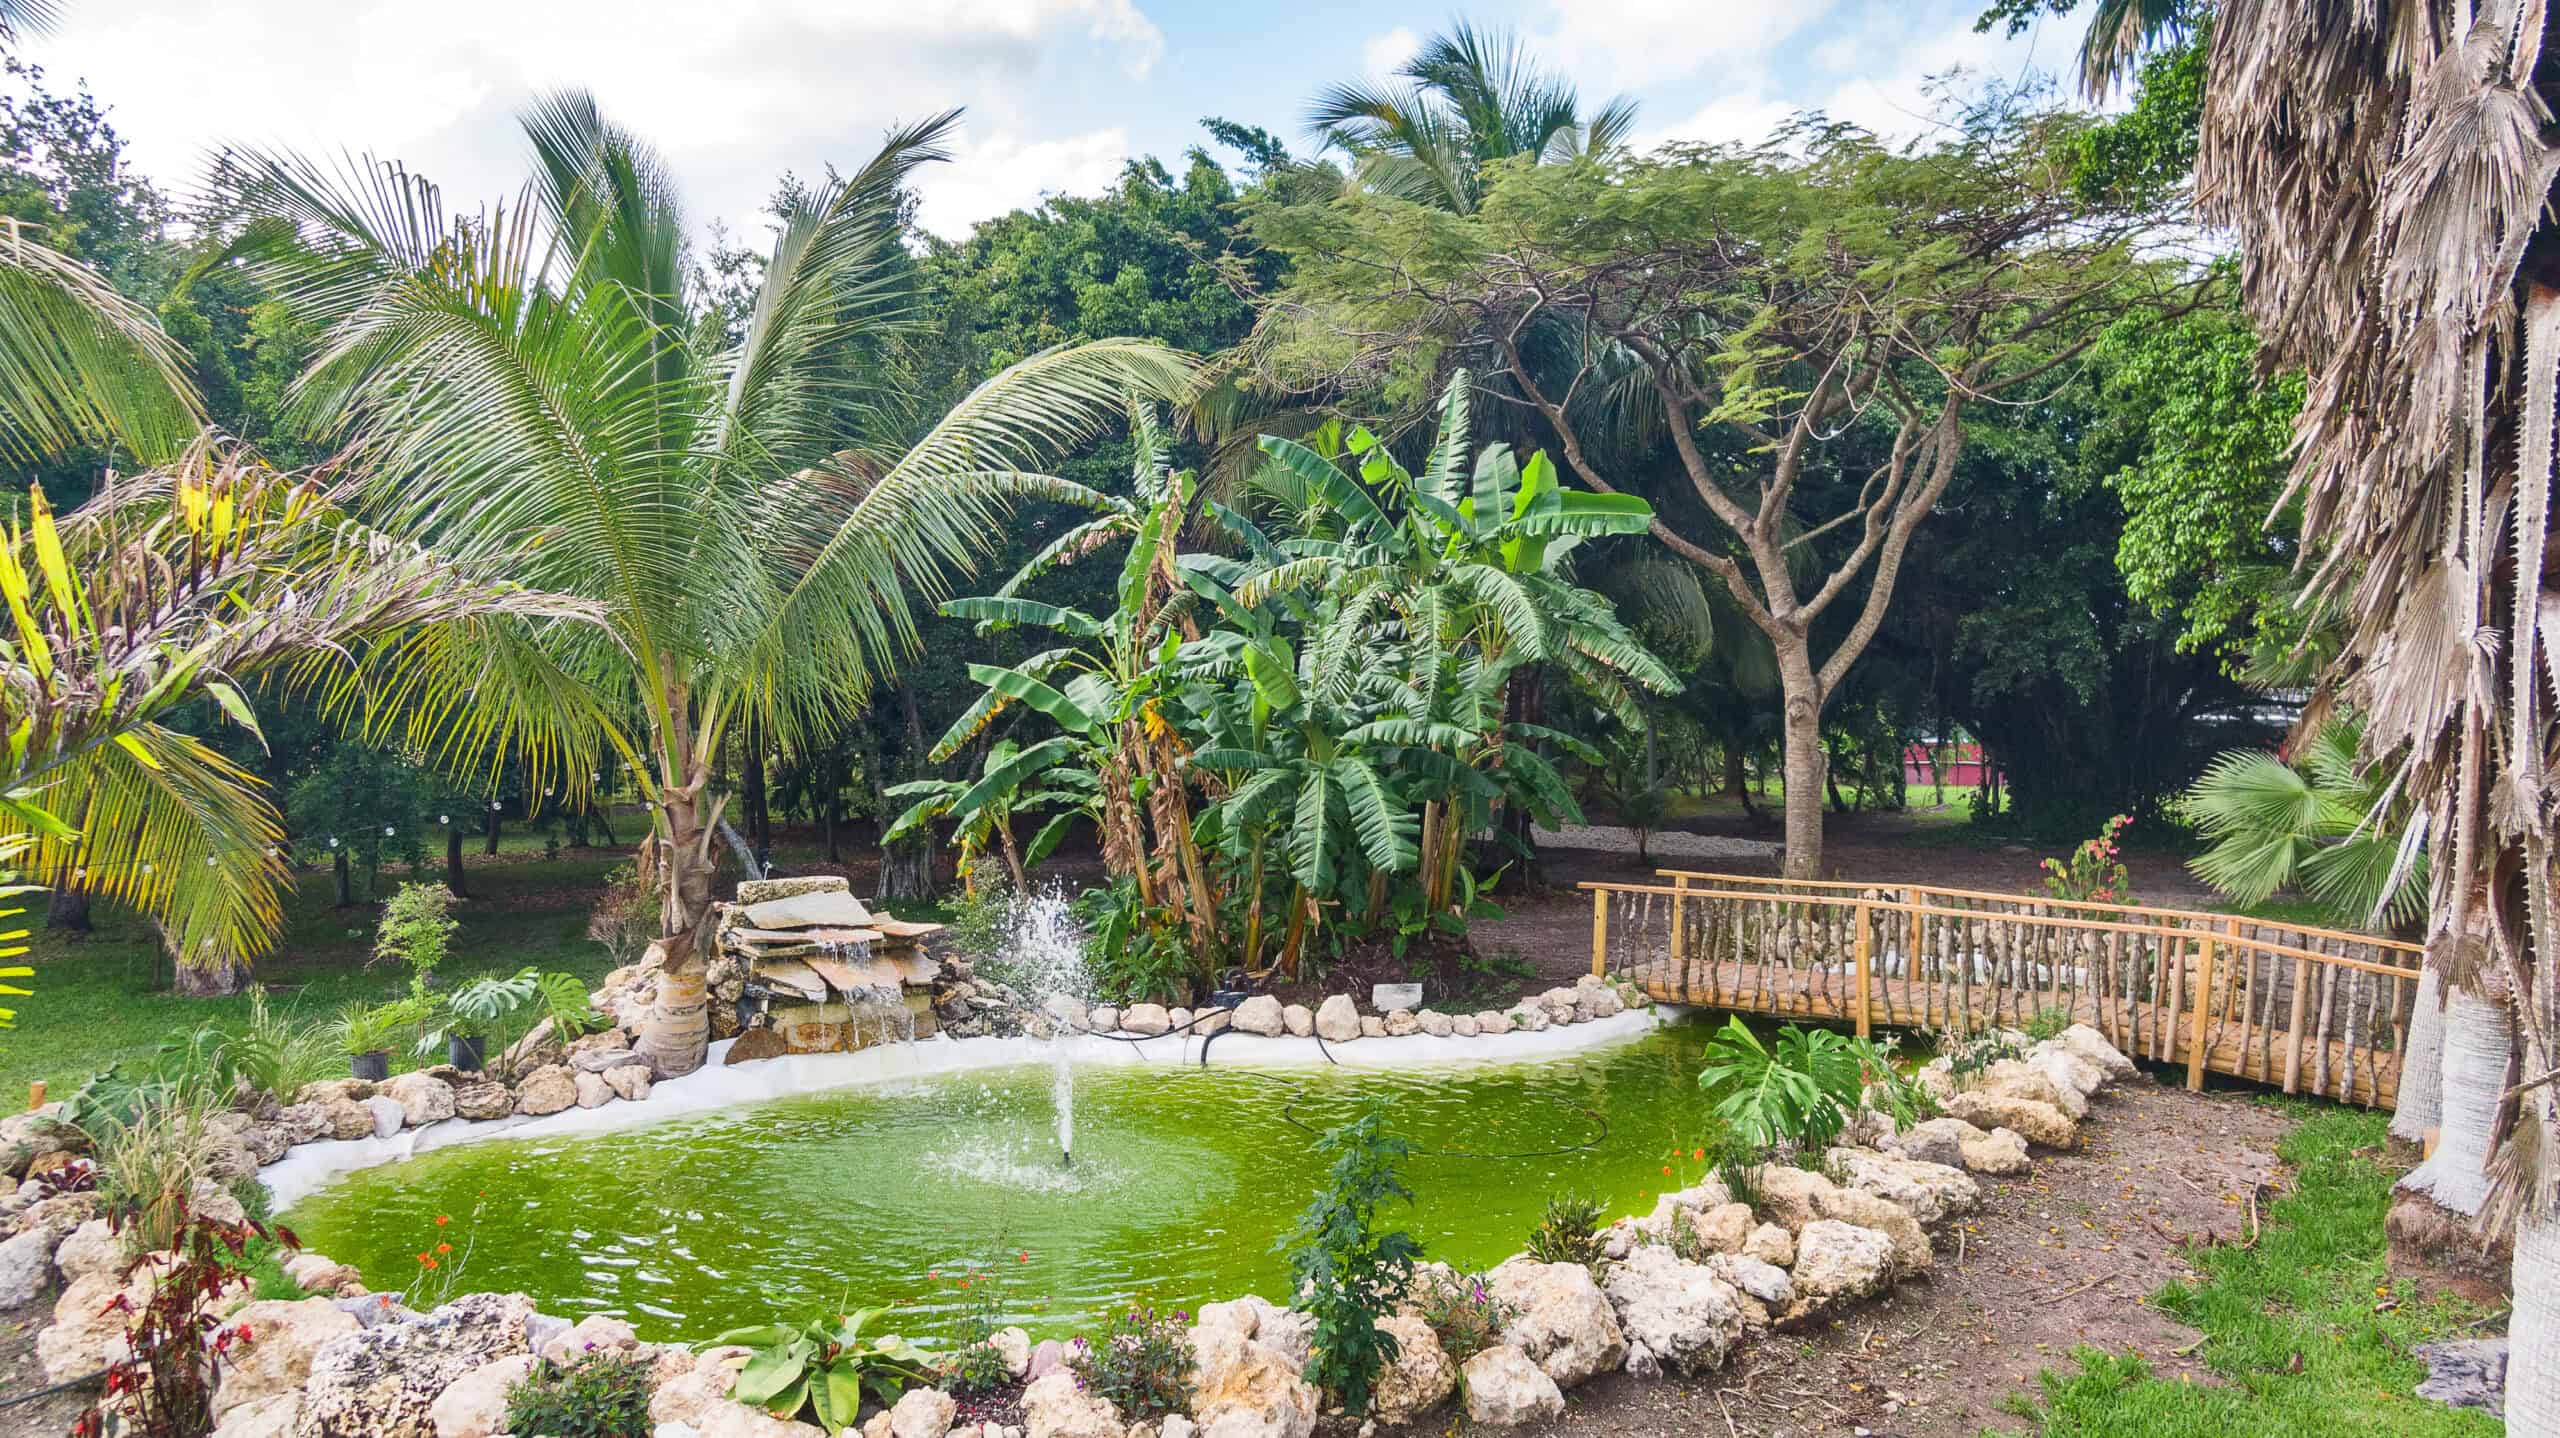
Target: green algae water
pixel 888 1195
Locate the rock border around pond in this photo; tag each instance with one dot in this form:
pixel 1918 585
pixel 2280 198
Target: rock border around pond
pixel 1679 1291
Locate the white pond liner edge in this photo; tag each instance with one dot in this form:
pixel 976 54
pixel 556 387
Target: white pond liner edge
pixel 714 1087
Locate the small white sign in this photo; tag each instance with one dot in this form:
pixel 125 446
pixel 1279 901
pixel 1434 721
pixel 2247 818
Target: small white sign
pixel 1387 998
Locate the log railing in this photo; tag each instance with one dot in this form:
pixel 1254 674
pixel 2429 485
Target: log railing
pixel 2319 1011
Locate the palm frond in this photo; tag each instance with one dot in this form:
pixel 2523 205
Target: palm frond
pixel 80 361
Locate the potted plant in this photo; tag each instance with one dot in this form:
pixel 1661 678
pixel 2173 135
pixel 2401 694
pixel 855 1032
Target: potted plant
pixel 364 1031
pixel 472 1009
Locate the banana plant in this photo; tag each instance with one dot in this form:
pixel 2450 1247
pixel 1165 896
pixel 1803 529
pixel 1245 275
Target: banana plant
pixel 989 812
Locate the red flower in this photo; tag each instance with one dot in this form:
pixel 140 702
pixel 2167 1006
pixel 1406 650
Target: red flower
pixel 442 1219
pixel 1026 1255
pixel 431 1263
pixel 444 1248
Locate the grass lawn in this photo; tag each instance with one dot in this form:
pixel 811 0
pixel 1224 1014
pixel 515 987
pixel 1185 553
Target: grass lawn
pixel 2309 1333
pixel 104 997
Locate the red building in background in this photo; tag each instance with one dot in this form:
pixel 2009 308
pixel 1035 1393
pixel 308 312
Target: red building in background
pixel 1960 766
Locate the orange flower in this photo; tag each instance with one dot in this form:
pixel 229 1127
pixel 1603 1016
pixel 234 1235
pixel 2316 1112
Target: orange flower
pixel 442 1219
pixel 431 1263
pixel 422 1258
pixel 1666 1170
pixel 1697 1155
pixel 1026 1255
pixel 444 1248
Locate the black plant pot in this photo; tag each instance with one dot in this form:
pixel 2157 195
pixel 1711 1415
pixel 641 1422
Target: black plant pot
pixel 465 1053
pixel 375 1066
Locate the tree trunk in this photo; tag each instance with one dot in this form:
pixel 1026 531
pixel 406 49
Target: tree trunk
pixel 212 979
pixel 678 1028
pixel 66 909
pixel 906 867
pixel 2477 1041
pixel 453 862
pixel 1806 765
pixel 338 868
pixel 2533 1332
pixel 2420 1104
pixel 491 846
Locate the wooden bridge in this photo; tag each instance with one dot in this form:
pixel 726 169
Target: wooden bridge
pixel 2318 1011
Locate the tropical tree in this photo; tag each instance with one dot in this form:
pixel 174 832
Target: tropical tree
pixel 209 579
pixel 2418 144
pixel 749 515
pixel 1729 329
pixel 1466 100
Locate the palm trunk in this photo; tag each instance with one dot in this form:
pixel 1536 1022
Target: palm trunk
pixel 2420 1104
pixel 2477 1041
pixel 2533 1332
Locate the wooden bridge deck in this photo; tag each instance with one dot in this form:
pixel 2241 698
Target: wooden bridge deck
pixel 2310 1010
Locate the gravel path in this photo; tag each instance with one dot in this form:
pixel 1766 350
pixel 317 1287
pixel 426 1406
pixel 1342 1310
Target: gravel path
pixel 1667 843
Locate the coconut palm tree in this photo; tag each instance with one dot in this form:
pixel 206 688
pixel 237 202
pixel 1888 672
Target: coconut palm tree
pixel 80 362
pixel 212 578
pixel 748 514
pixel 1468 98
pixel 2384 169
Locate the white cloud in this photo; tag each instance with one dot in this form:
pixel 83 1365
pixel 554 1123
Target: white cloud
pixel 733 95
pixel 1383 53
pixel 1611 45
pixel 1004 171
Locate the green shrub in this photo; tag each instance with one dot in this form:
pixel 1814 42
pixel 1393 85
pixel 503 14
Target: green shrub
pixel 1569 1231
pixel 823 1365
pixel 1348 1274
pixel 1463 1314
pixel 1142 1363
pixel 2048 1023
pixel 1799 1091
pixel 1735 1160
pixel 977 1365
pixel 149 1164
pixel 417 930
pixel 602 1394
pixel 276 1055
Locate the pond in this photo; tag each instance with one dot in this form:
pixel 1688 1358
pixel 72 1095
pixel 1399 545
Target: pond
pixel 1184 1180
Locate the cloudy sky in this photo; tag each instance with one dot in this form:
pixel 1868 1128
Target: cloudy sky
pixel 1058 92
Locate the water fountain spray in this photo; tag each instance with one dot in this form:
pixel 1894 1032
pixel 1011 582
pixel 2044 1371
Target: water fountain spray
pixel 1047 951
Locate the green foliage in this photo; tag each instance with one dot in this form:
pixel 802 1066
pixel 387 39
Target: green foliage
pixel 1143 1363
pixel 2325 822
pixel 602 1394
pixel 416 929
pixel 1134 952
pixel 275 1054
pixel 978 1365
pixel 1569 1232
pixel 1800 1091
pixel 363 1028
pixel 1970 1056
pixel 361 806
pixel 2093 872
pixel 1346 1273
pixel 2047 1023
pixel 825 1366
pixel 2306 1330
pixel 2150 148
pixel 1463 1313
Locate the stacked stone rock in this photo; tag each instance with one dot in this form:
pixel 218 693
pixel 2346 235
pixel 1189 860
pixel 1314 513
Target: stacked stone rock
pixel 1338 1019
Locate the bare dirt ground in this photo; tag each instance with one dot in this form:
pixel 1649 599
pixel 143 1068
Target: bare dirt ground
pixel 22 1414
pixel 2064 1256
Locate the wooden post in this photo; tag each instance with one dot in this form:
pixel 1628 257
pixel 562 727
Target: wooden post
pixel 35 1095
pixel 1866 965
pixel 2204 1008
pixel 1679 907
pixel 1911 960
pixel 2301 1015
pixel 1600 933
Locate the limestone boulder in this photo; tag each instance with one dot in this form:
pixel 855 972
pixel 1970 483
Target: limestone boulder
pixel 303 1122
pixel 318 1273
pixel 84 1335
pixel 1770 1244
pixel 2001 1151
pixel 422 1100
pixel 26 1265
pixel 1146 1019
pixel 1261 1014
pixel 1766 1282
pixel 28 1138
pixel 1179 1018
pixel 476 1405
pixel 1490 1022
pixel 1675 1314
pixel 482 1101
pixel 1788 1195
pixel 1246 1389
pixel 348 1119
pixel 1506 1390
pixel 1418 1379
pixel 1105 1018
pixel 1338 1020
pixel 1058 1407
pixel 547 1090
pixel 2037 1123
pixel 1929 1192
pixel 630 1081
pixel 1911 1253
pixel 597 1332
pixel 1836 1260
pixel 2068 1068
pixel 1562 1321
pixel 266 1142
pixel 2015 1078
pixel 1466 1026
pixel 922 1413
pixel 1530 1018
pixel 382 1382
pixel 1014 1347
pixel 1723 1228
pixel 1298 1019
pixel 1400 1022
pixel 592 1090
pixel 1937 1140
pixel 2089 1044
pixel 1438 1025
pixel 329 1091
pixel 269 1418
pixel 91 1248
